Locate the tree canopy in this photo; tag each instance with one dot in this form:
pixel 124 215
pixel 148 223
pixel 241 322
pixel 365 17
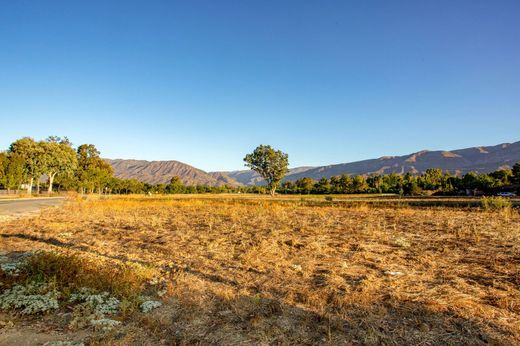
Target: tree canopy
pixel 271 164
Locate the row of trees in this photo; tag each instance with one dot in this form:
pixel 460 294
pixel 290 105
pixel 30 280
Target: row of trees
pixel 272 165
pixel 433 181
pixel 175 186
pixel 28 162
pixel 54 163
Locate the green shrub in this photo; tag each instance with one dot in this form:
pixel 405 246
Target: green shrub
pixel 495 203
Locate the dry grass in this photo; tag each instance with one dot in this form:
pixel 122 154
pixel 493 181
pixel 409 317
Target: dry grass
pixel 256 271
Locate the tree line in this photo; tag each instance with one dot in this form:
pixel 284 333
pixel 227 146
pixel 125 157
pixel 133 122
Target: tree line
pixel 432 181
pixel 273 164
pixel 55 163
pixel 28 162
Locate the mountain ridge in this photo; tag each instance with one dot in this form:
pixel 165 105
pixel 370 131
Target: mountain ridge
pixel 161 172
pixel 481 159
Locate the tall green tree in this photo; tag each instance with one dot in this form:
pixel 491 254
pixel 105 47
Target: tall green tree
pixel 30 152
pixel 304 185
pixel 59 158
pixel 345 183
pixel 322 186
pixel 14 172
pixel 359 184
pixel 271 164
pixel 93 172
pixel 175 185
pixel 432 179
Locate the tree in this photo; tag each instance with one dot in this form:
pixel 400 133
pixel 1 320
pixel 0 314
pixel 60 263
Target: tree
pixel 304 185
pixel 175 185
pixel 516 172
pixel 502 177
pixel 470 181
pixel 29 151
pixel 93 172
pixel 432 179
pixel 288 187
pixel 411 188
pixel 59 158
pixel 322 186
pixel 334 184
pixel 359 184
pixel 345 183
pixel 14 172
pixel 271 164
pixel 4 161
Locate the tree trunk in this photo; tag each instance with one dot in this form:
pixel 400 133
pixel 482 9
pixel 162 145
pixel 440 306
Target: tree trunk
pixel 30 185
pixel 37 186
pixel 51 180
pixel 273 189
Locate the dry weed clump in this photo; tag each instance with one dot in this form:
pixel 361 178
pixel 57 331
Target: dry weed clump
pixel 260 271
pixel 94 291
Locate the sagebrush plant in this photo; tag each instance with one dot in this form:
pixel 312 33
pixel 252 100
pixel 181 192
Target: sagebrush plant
pixel 29 299
pixel 149 305
pixel 94 309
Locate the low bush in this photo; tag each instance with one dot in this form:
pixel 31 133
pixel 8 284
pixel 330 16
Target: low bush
pixel 44 279
pixel 495 203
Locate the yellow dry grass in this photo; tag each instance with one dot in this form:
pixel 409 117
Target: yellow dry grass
pixel 257 271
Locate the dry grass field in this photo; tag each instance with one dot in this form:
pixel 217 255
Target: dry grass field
pixel 240 271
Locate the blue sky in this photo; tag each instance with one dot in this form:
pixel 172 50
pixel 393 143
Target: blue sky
pixel 205 82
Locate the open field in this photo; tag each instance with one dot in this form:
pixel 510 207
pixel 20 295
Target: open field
pixel 347 200
pixel 237 270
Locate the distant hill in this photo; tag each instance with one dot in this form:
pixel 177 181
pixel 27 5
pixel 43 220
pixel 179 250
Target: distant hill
pixel 155 172
pixel 478 159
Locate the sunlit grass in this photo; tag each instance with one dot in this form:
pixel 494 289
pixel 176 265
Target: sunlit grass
pixel 249 269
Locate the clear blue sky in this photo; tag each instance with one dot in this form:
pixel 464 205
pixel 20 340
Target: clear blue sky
pixel 205 82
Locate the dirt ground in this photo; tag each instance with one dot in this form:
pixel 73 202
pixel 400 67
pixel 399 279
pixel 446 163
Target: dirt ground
pixel 261 272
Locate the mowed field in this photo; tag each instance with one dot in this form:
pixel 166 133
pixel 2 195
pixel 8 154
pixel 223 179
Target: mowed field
pixel 287 271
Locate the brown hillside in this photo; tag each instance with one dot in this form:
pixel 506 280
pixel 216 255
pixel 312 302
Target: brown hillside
pixel 155 172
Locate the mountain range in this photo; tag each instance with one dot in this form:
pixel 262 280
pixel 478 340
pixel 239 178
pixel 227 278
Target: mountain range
pixel 477 159
pixel 155 172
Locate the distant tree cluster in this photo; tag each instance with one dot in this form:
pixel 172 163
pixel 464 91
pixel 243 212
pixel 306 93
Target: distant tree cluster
pixel 432 181
pixel 27 161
